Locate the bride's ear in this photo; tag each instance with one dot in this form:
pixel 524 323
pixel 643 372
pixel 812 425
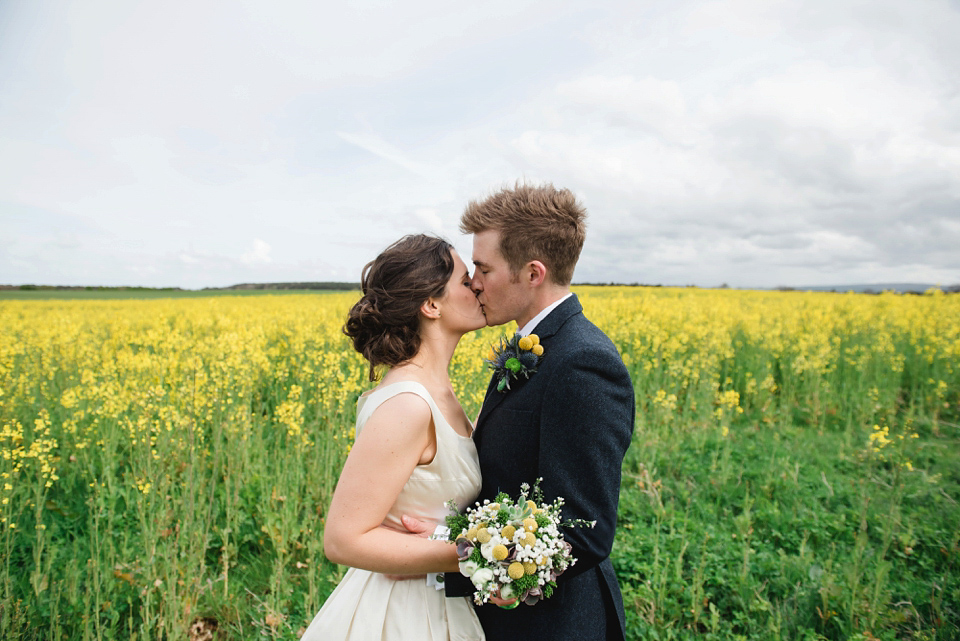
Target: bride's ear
pixel 430 309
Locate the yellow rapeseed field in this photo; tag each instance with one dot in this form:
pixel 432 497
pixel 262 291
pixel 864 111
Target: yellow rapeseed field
pixel 152 434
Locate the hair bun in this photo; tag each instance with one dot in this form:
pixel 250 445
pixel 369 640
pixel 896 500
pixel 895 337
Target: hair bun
pixel 384 324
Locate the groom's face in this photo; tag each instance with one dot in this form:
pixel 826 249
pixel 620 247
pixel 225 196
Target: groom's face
pixel 497 287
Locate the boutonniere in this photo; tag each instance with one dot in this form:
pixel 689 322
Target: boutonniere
pixel 511 359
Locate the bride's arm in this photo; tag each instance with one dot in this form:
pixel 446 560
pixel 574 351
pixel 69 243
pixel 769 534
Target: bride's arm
pixel 392 443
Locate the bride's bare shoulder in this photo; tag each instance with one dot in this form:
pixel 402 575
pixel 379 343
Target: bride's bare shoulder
pixel 405 409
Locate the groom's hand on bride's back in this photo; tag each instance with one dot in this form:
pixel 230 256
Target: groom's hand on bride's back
pixel 414 527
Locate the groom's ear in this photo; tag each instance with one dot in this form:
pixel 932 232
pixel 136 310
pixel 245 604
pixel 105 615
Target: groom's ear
pixel 535 273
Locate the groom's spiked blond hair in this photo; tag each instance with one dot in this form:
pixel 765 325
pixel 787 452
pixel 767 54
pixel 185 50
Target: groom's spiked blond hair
pixel 535 223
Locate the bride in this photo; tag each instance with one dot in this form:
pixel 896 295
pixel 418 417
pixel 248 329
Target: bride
pixel 413 452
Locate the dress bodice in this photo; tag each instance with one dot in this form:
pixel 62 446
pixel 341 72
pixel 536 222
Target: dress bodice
pixel 453 474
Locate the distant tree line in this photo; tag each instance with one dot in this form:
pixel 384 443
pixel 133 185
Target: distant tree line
pixel 322 285
pixel 340 286
pixel 87 288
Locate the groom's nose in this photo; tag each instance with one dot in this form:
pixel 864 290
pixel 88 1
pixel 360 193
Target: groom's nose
pixel 475 283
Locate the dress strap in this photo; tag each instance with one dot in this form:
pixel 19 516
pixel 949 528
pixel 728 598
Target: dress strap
pixel 368 404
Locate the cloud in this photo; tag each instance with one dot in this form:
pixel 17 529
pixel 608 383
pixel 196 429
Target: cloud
pixel 381 148
pixel 742 141
pixel 259 255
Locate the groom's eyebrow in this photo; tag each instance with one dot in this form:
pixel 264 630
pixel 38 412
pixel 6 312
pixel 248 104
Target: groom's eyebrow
pixel 479 263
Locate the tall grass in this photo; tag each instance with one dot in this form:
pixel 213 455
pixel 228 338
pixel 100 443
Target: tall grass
pixel 165 465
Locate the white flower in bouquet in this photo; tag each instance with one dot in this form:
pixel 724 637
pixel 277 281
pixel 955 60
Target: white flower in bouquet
pixel 481 577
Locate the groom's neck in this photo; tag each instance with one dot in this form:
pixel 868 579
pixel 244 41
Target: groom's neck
pixel 542 298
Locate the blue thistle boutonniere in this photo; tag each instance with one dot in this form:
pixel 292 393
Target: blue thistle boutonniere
pixel 511 359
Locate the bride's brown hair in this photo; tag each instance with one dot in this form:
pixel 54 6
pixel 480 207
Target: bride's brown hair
pixel 384 324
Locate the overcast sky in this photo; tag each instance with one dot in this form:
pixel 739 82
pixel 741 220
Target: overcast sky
pixel 751 142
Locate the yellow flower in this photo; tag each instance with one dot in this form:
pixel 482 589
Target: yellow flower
pixel 530 524
pixel 515 570
pixel 531 539
pixel 507 532
pixel 500 552
pixel 471 534
pixel 525 343
pixel 529 567
pixel 535 339
pixel 538 350
pixel 483 535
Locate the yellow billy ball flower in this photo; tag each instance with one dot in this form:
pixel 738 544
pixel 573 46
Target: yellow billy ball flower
pixel 534 338
pixel 529 567
pixel 532 505
pixel 500 552
pixel 471 534
pixel 508 531
pixel 525 343
pixel 530 524
pixel 538 350
pixel 515 570
pixel 483 535
pixel 531 539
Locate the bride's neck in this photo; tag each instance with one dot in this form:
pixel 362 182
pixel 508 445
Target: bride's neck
pixel 433 359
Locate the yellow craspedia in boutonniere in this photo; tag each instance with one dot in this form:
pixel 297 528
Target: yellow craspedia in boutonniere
pixel 513 358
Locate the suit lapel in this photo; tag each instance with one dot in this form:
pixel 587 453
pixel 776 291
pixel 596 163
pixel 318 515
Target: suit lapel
pixel 545 329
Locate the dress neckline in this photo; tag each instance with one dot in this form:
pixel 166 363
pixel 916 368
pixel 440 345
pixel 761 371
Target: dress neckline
pixel 434 408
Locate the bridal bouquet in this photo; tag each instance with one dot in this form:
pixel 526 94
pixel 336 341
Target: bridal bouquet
pixel 513 549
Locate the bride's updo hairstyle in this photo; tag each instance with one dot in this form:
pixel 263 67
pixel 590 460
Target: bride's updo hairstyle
pixel 384 324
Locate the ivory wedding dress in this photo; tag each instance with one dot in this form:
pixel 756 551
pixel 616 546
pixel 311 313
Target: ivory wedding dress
pixel 367 606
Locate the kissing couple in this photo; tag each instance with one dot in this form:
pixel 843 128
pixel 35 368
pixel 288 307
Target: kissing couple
pixel 569 423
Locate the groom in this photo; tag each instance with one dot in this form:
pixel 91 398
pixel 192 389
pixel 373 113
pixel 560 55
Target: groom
pixel 569 423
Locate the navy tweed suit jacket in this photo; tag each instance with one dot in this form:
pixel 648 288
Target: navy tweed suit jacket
pixel 569 423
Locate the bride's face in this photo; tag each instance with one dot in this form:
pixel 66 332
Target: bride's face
pixel 459 308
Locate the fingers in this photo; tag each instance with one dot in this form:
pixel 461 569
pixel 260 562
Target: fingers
pixel 507 604
pixel 415 526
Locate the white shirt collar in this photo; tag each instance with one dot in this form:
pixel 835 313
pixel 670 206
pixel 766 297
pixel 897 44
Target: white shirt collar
pixel 532 324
